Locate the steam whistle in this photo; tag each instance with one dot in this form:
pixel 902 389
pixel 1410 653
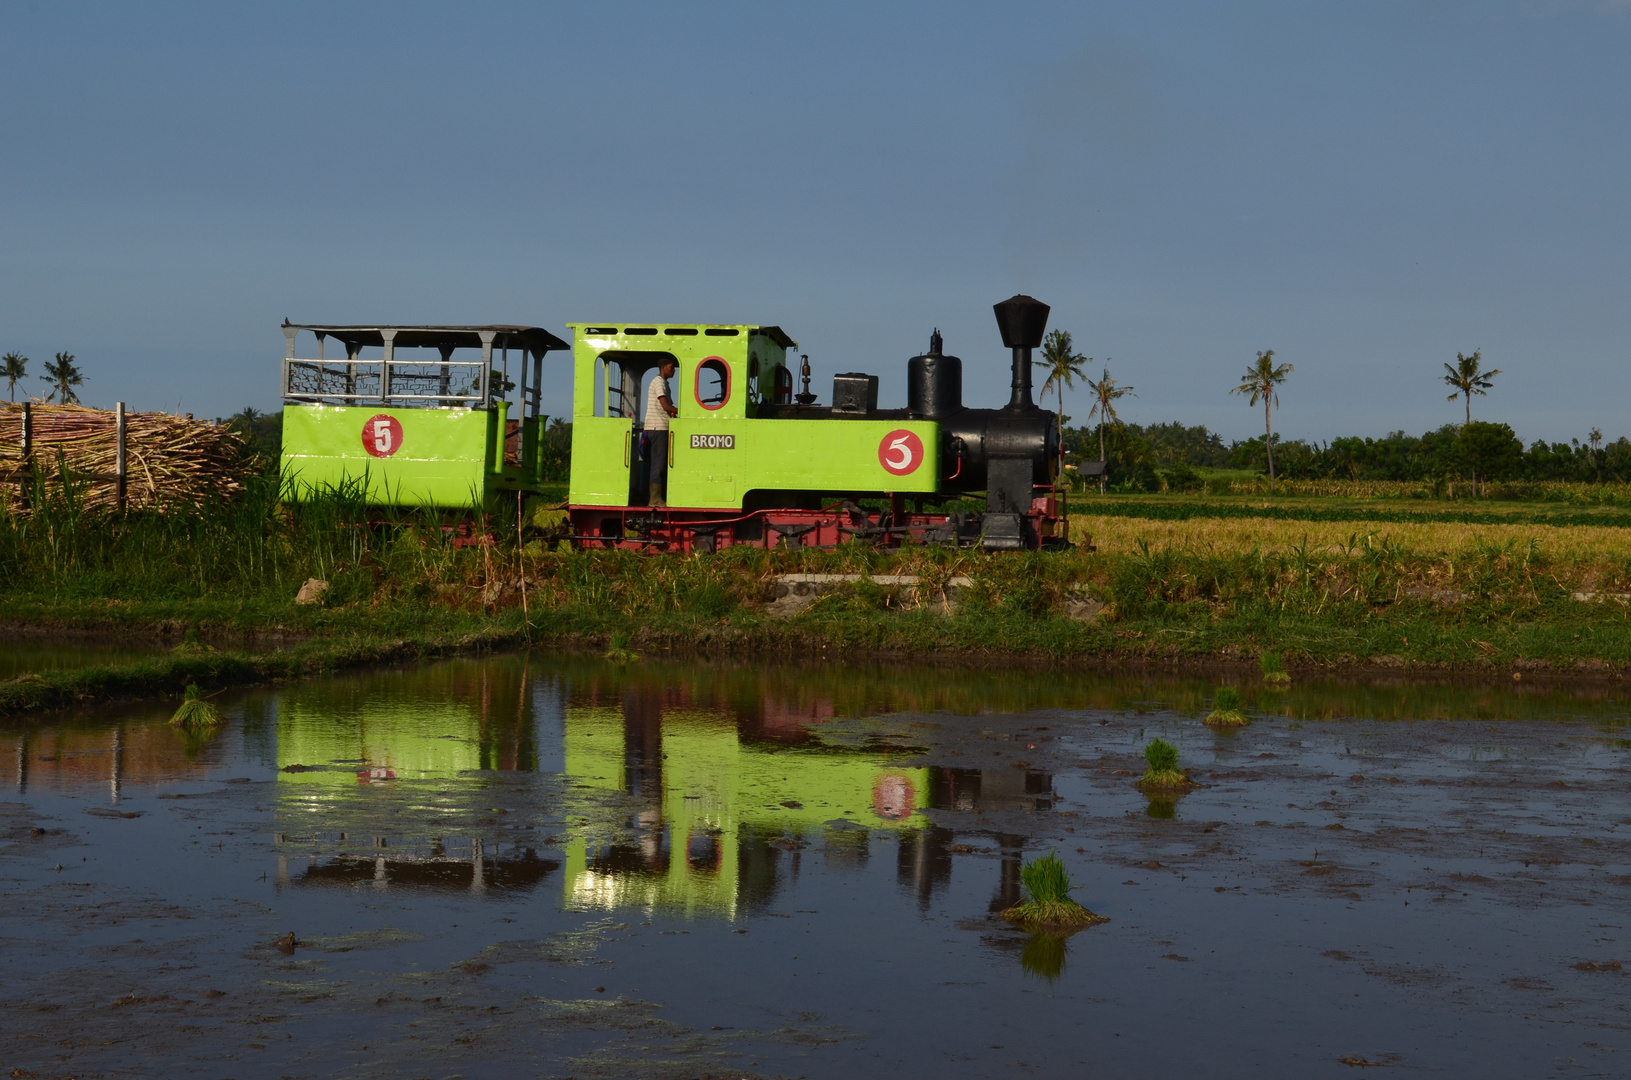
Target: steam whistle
pixel 805 397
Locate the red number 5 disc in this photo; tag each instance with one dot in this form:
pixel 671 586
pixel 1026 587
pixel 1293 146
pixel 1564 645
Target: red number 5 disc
pixel 901 452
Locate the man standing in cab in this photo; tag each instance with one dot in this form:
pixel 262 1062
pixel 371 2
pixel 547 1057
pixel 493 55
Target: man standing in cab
pixel 654 439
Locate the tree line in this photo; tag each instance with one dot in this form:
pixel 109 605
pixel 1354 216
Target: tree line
pixel 1167 455
pixel 1156 456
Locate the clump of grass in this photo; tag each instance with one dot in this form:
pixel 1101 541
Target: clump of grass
pixel 1050 906
pixel 196 714
pixel 1163 773
pixel 620 653
pixel 1226 709
pixel 1273 670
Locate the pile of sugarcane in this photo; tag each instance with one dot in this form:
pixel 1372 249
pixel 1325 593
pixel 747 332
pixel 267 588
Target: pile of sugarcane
pixel 169 459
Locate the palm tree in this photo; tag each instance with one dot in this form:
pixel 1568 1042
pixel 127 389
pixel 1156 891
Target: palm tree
pixel 1063 367
pixel 1260 381
pixel 1467 379
pixel 13 366
pixel 64 374
pixel 1105 394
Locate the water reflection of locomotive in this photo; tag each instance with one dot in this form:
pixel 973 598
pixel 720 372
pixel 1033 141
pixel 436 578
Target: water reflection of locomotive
pixel 749 460
pixel 716 803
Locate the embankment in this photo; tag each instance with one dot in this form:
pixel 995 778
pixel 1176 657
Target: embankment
pixel 1191 583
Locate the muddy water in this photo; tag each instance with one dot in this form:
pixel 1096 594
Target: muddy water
pixel 528 866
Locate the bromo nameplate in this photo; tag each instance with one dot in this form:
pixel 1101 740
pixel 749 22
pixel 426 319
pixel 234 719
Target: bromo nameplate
pixel 713 442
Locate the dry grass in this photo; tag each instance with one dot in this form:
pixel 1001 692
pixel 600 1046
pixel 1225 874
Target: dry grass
pixel 1232 536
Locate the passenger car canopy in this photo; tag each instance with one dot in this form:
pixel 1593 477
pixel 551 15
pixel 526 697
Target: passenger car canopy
pixel 535 339
pixel 417 382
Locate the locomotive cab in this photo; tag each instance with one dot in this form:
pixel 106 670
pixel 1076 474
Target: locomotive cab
pixel 739 441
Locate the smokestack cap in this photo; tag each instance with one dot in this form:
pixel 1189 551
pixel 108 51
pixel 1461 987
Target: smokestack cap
pixel 1022 321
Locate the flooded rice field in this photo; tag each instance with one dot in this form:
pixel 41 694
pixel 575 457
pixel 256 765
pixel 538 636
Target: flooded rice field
pixel 530 866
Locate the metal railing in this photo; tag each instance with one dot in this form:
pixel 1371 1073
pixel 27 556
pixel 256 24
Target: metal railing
pixel 388 382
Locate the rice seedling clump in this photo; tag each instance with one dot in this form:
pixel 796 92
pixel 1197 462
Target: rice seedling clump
pixel 195 713
pixel 1050 906
pixel 1226 709
pixel 1163 773
pixel 620 653
pixel 1273 671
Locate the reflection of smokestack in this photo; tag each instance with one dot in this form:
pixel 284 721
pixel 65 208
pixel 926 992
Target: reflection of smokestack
pixel 1013 858
pixel 1022 320
pixel 923 862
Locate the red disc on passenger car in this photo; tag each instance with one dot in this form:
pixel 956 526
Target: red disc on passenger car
pixel 901 452
pixel 382 435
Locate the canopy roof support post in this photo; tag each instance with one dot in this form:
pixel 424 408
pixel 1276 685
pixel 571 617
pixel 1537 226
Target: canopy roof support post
pixel 484 394
pixel 289 333
pixel 504 370
pixel 521 401
pixel 537 383
pixel 442 384
pixel 385 366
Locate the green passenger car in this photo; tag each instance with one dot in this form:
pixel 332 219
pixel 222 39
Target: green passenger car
pixel 453 430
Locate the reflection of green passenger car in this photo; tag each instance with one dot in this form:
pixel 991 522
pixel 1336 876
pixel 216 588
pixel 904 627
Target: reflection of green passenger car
pixel 713 801
pixel 393 741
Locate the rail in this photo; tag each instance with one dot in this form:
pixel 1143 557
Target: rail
pixel 388 382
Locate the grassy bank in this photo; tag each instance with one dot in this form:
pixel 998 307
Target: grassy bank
pixel 1520 592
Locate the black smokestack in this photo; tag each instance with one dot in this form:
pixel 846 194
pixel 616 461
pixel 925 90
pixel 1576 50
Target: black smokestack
pixel 1022 320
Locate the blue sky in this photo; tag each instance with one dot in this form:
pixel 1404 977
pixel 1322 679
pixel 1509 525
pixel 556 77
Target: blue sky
pixel 1364 188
